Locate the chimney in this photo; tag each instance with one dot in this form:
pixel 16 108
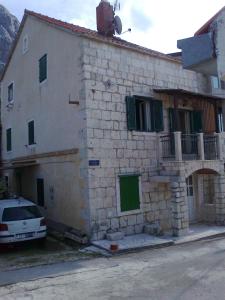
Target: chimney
pixel 105 18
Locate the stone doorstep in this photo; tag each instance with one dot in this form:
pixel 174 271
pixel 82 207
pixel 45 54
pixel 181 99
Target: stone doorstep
pixel 133 242
pixel 146 241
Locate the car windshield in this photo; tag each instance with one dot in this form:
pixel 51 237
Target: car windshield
pixel 20 213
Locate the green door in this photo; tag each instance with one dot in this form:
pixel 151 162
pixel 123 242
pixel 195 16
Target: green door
pixel 129 193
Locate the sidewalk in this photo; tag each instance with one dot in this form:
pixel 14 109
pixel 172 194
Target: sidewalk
pixel 140 241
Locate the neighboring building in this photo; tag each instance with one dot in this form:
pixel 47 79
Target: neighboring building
pixel 205 52
pixel 107 135
pixel 9 26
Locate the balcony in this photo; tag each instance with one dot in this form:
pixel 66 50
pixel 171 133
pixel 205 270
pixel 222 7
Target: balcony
pixel 188 147
pixel 198 54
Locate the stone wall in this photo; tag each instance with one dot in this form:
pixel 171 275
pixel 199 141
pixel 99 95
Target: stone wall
pixel 111 74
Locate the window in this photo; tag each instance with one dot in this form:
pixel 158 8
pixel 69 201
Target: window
pixel 189 185
pixel 216 83
pixel 43 68
pixel 129 193
pixel 40 192
pixel 10 92
pixel 25 44
pixel 9 139
pixel 144 114
pixel 188 121
pixel 31 133
pixel 220 120
pixel 20 213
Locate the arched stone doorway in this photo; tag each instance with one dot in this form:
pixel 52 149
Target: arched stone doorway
pixel 206 203
pixel 201 187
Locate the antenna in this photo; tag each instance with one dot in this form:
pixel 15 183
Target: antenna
pixel 118 25
pixel 128 30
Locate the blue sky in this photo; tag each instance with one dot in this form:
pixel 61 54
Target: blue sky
pixel 155 24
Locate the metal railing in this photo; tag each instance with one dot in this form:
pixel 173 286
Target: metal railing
pixel 189 146
pixel 177 146
pixel 168 147
pixel 211 147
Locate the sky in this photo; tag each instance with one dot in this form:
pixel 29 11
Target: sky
pixel 154 24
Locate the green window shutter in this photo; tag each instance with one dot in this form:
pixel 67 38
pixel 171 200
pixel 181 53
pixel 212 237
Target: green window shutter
pixel 43 68
pixel 131 113
pixel 171 119
pixel 157 115
pixel 196 121
pixel 129 193
pixel 31 133
pixel 9 139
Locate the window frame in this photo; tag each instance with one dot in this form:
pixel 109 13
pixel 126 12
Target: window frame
pixel 220 117
pixel 41 78
pixel 154 107
pixel 34 143
pixel 13 92
pixel 143 114
pixel 130 212
pixel 7 149
pixel 25 49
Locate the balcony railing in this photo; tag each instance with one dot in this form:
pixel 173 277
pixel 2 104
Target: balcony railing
pixel 177 146
pixel 189 146
pixel 168 147
pixel 211 147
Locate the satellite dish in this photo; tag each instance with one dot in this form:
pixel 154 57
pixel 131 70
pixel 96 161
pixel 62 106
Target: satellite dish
pixel 118 25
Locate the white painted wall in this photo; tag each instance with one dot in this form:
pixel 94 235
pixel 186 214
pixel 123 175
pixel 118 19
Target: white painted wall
pixel 58 124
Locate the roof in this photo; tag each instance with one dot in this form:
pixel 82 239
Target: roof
pixel 205 28
pixel 187 93
pixel 88 33
pixel 15 202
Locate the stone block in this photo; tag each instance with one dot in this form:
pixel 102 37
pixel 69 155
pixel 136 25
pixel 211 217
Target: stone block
pixel 138 228
pixel 123 221
pixel 132 220
pixel 179 232
pixel 174 185
pixel 114 223
pixel 130 230
pixel 140 219
pixel 104 226
pixel 108 202
pixel 115 236
pixel 101 214
pixel 111 212
pixel 101 235
pixel 153 229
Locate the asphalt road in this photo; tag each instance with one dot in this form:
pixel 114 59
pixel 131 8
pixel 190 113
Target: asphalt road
pixel 189 271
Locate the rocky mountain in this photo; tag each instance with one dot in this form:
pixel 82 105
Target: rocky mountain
pixel 9 26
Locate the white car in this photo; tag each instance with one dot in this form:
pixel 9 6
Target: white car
pixel 20 220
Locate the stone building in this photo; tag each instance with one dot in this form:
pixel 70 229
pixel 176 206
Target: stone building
pixel 106 135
